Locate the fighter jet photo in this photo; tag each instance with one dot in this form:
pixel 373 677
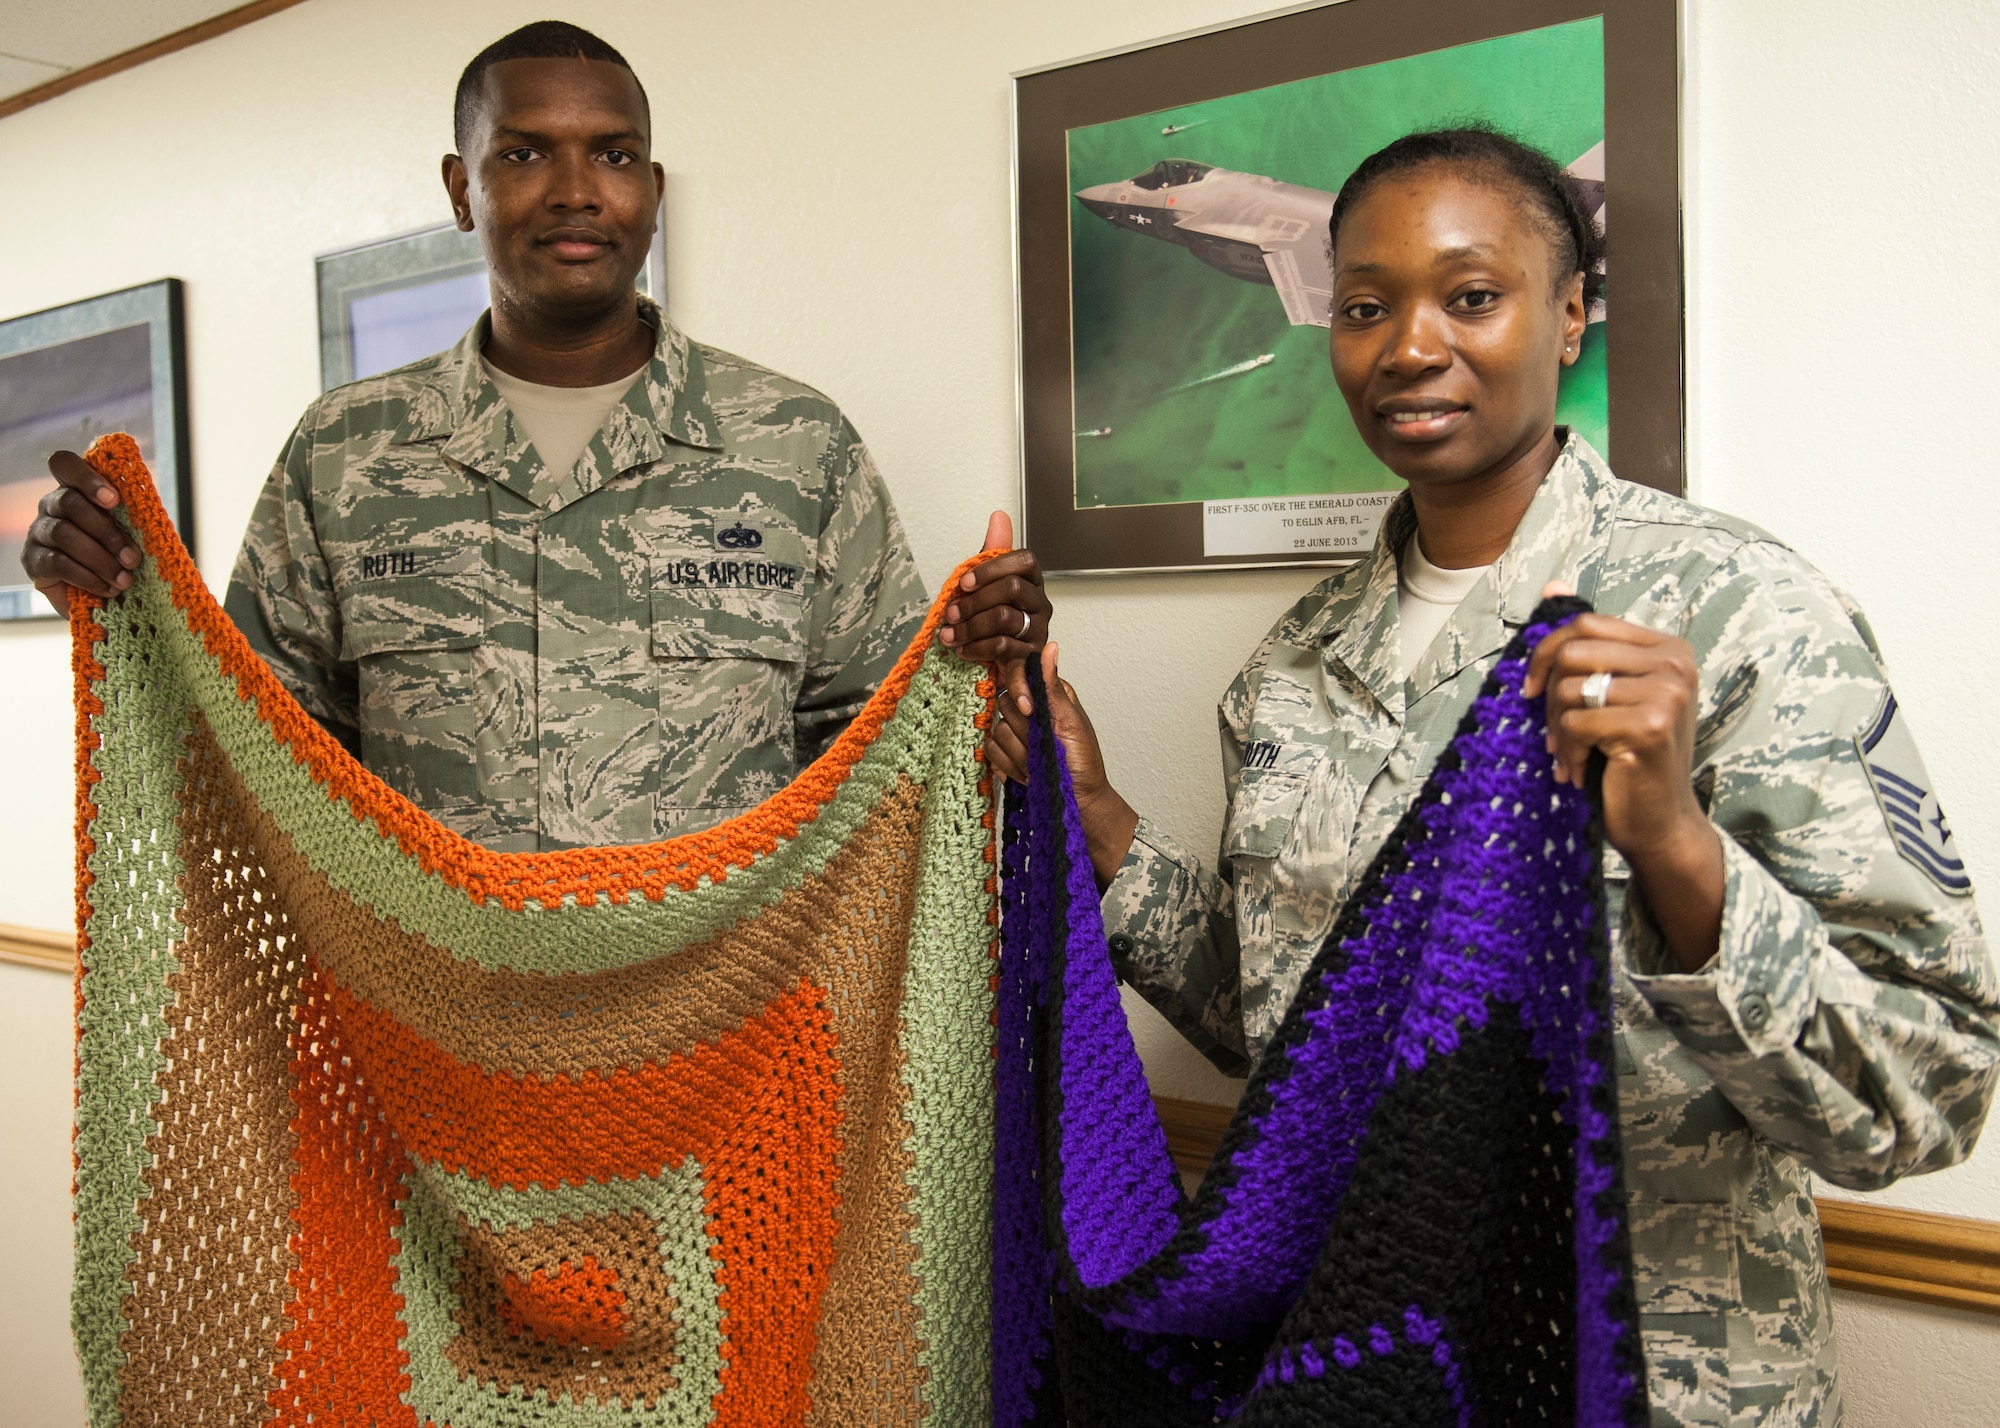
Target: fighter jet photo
pixel 1238 369
pixel 1260 229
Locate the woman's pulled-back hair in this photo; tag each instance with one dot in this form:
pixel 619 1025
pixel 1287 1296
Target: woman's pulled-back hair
pixel 1488 155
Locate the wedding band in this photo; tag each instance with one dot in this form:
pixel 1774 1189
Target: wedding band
pixel 1597 690
pixel 1026 620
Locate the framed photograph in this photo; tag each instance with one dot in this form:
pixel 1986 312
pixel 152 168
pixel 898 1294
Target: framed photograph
pixel 1174 275
pixel 395 300
pixel 67 375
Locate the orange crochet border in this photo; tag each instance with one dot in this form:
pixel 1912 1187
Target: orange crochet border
pixel 85 672
pixel 512 879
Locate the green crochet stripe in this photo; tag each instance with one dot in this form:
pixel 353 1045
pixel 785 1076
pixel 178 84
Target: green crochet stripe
pixel 122 1026
pixel 948 1038
pixel 375 871
pixel 427 1272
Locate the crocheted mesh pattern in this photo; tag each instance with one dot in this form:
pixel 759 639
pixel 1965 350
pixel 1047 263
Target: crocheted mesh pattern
pixel 1415 1216
pixel 375 1126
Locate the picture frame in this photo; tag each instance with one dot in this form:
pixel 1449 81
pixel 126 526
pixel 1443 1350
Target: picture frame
pixel 68 374
pixel 394 300
pixel 1175 407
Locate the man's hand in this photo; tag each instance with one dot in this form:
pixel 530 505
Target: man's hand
pixel 74 540
pixel 1108 820
pixel 1001 615
pixel 1645 730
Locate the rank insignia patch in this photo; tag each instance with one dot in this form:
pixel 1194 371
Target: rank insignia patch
pixel 1903 788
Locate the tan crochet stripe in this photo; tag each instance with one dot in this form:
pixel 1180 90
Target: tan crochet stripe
pixel 220 1182
pixel 502 1020
pixel 637 1369
pixel 865 1367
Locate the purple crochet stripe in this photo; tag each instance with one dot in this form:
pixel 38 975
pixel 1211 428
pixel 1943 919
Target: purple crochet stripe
pixel 1290 1363
pixel 1121 1195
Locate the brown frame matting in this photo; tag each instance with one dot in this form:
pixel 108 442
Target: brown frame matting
pixel 1642 152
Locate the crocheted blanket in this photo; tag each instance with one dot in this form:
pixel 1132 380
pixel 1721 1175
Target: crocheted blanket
pixel 1415 1216
pixel 374 1126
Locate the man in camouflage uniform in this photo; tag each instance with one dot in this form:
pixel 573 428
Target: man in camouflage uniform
pixel 1849 1026
pixel 644 645
pixel 641 643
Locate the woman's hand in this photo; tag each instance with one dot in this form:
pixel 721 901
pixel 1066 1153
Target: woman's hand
pixel 1002 614
pixel 1645 730
pixel 1108 820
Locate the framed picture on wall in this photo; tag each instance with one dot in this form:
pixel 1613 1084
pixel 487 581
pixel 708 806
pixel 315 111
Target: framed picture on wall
pixel 1175 270
pixel 393 301
pixel 68 375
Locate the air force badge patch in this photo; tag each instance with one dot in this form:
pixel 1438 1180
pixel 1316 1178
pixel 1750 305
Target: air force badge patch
pixel 1916 822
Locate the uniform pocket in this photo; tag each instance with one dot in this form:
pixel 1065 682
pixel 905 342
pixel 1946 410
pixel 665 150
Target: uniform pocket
pixel 412 600
pixel 1684 1257
pixel 1261 817
pixel 729 646
pixel 1684 1275
pixel 1260 842
pixel 412 619
pixel 1269 791
pixel 727 607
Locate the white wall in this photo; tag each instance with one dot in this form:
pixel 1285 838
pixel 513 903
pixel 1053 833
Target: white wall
pixel 837 207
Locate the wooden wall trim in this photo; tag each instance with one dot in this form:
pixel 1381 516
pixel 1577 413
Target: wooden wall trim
pixel 37 947
pixel 130 59
pixel 1905 1254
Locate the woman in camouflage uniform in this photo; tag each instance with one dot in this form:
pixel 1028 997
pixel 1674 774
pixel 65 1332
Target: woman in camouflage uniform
pixel 1802 983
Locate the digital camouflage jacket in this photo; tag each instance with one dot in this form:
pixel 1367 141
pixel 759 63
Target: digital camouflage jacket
pixel 644 645
pixel 1849 1025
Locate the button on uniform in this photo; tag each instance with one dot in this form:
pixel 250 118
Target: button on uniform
pixel 1755 1009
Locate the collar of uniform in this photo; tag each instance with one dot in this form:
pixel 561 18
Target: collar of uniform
pixel 1358 624
pixel 1561 536
pixel 668 402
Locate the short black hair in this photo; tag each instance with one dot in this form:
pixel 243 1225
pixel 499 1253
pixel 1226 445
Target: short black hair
pixel 1487 154
pixel 544 39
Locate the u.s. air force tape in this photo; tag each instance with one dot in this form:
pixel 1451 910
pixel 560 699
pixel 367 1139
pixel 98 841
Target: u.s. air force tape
pixel 733 574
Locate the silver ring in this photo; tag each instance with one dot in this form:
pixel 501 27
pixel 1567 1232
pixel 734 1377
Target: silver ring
pixel 1597 690
pixel 1026 621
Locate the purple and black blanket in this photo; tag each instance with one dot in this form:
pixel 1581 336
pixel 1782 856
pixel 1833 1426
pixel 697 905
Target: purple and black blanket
pixel 1416 1215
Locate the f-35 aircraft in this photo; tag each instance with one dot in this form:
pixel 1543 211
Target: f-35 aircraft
pixel 1259 229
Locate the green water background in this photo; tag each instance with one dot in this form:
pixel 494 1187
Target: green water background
pixel 1149 316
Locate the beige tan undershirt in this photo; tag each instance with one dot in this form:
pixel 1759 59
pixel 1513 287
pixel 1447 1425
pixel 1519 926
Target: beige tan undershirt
pixel 1426 595
pixel 558 421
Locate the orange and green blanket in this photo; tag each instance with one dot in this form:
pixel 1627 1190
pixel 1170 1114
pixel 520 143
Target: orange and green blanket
pixel 377 1127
